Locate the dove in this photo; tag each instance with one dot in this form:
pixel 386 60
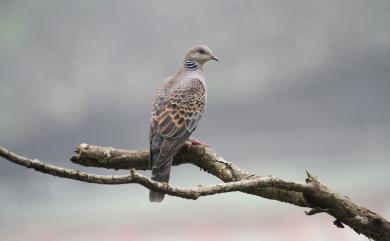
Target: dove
pixel 178 105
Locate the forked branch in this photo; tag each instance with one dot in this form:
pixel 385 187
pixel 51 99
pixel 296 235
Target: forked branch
pixel 312 194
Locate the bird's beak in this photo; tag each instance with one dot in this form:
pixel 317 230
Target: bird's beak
pixel 214 58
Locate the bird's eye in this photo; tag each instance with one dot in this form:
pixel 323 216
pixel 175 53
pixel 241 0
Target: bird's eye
pixel 201 51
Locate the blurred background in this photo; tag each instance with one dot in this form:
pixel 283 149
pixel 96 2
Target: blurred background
pixel 301 85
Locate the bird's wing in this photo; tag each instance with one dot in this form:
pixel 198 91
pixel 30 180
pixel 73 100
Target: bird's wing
pixel 176 115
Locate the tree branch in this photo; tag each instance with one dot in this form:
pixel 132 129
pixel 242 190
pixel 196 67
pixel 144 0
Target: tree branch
pixel 312 194
pixel 135 177
pixel 205 158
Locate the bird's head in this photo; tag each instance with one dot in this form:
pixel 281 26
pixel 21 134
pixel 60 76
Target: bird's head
pixel 200 54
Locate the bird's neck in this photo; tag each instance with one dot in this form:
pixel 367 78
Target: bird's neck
pixel 191 65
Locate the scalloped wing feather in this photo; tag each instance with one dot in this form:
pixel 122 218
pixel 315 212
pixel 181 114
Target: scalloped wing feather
pixel 180 111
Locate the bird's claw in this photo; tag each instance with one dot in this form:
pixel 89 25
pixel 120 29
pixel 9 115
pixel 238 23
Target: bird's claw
pixel 194 142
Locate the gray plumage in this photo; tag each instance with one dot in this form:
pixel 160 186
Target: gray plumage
pixel 178 105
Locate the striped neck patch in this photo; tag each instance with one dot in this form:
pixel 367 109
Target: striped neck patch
pixel 190 65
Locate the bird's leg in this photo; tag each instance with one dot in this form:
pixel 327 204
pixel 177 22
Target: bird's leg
pixel 195 142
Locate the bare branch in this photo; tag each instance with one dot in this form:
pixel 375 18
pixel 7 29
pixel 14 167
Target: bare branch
pixel 135 177
pixel 312 194
pixel 205 158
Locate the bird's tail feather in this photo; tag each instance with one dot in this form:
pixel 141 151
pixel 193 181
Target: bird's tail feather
pixel 156 196
pixel 160 174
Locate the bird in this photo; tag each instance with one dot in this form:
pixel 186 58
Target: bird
pixel 178 105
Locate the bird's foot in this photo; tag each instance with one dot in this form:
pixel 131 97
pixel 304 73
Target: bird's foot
pixel 194 142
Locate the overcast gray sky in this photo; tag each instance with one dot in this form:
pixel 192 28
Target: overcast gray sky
pixel 300 85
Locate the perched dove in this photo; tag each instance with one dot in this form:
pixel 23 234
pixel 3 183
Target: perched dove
pixel 178 105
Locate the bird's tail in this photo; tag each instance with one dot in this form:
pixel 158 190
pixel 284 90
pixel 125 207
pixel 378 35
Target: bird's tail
pixel 160 174
pixel 156 196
